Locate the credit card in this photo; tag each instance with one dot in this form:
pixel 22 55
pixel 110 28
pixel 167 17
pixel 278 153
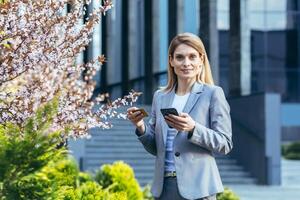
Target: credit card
pixel 144 113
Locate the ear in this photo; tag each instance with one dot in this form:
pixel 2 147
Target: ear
pixel 171 61
pixel 202 58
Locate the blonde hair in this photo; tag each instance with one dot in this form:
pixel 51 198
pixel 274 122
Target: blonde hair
pixel 195 42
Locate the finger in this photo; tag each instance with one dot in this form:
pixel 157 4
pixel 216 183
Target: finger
pixel 137 113
pixel 175 124
pixel 184 115
pixel 178 128
pixel 170 119
pixel 170 123
pixel 139 118
pixel 134 115
pixel 130 117
pixel 177 118
pixel 129 110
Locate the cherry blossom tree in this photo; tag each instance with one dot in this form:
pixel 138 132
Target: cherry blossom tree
pixel 39 43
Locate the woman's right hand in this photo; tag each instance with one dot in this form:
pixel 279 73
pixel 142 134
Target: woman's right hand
pixel 136 117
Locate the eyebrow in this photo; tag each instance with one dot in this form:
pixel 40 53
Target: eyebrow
pixel 180 54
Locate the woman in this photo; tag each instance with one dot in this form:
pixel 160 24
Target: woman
pixel 185 167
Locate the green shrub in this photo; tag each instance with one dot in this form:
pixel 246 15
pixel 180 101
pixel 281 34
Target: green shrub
pixel 228 194
pixel 90 191
pixel 62 173
pixel 291 151
pixel 33 167
pixel 61 177
pixel 24 151
pixel 119 177
pixel 293 156
pixel 62 180
pixel 147 193
pixel 84 177
pixel 65 193
pixel 87 191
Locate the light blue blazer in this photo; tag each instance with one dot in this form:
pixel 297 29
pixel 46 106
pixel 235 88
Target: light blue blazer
pixel 197 172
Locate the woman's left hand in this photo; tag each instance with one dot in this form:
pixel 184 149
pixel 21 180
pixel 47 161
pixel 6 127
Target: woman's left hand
pixel 183 122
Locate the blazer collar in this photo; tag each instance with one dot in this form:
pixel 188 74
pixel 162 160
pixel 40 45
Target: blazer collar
pixel 192 100
pixel 167 98
pixel 197 88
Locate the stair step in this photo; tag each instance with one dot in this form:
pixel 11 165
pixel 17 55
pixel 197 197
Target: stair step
pixel 233 174
pixel 243 180
pixel 230 167
pixel 121 143
pixel 119 139
pixel 116 125
pixel 105 144
pixel 115 149
pixel 124 154
pixel 125 130
pixel 150 165
pixel 126 160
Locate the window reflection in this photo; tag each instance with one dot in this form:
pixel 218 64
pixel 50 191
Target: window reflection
pixel 275 46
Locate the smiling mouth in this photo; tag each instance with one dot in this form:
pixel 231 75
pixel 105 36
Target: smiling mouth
pixel 186 70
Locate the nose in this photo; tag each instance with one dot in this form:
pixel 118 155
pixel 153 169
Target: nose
pixel 186 62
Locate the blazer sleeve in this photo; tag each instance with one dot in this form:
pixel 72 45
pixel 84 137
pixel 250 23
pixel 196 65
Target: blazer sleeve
pixel 148 138
pixel 218 137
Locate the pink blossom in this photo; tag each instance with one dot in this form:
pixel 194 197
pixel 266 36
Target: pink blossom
pixel 38 48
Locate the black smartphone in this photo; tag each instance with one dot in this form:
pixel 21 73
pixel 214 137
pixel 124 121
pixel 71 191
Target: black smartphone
pixel 168 111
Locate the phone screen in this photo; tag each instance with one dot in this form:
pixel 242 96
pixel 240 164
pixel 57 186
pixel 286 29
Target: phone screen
pixel 168 111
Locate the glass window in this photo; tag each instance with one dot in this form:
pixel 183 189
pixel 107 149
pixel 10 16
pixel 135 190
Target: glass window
pixel 190 16
pixel 293 20
pixel 223 20
pixel 163 35
pixel 276 20
pixel 223 14
pixel 256 5
pixel 267 5
pixel 257 20
pixel 275 5
pixel 223 5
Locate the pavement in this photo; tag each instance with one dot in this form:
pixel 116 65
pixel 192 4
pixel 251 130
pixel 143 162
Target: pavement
pixel 288 190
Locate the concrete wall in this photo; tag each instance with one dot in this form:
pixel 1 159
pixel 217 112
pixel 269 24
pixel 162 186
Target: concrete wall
pixel 257 135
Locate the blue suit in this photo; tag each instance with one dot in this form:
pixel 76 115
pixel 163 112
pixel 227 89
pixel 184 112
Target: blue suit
pixel 197 172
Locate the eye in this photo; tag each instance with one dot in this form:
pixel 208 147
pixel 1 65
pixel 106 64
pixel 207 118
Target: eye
pixel 193 57
pixel 179 57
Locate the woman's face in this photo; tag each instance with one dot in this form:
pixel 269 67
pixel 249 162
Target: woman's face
pixel 186 62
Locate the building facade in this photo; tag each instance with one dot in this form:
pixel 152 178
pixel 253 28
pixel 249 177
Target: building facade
pixel 253 45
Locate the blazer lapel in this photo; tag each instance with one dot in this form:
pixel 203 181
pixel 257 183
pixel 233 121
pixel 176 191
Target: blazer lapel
pixel 195 94
pixel 167 100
